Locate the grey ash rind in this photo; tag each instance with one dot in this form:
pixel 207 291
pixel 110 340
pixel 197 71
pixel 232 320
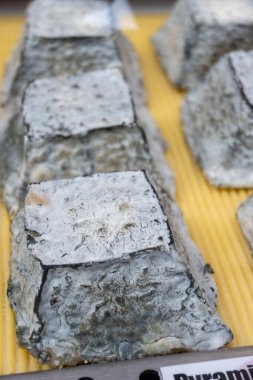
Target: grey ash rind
pixel 188 251
pixel 115 287
pixel 157 143
pixel 24 282
pixel 245 218
pixel 12 170
pixel 132 71
pixel 79 126
pixel 218 122
pixel 198 33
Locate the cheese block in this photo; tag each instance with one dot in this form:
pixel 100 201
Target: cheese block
pixel 198 33
pixel 217 122
pixel 97 275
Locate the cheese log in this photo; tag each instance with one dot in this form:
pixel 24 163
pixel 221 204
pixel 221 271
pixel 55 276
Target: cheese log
pixel 245 219
pixel 79 126
pixel 99 277
pixel 217 121
pixel 198 33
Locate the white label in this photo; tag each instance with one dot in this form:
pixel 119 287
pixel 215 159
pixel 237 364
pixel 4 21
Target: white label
pixel 223 369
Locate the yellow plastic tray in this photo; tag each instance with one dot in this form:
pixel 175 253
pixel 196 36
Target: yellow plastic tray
pixel 210 213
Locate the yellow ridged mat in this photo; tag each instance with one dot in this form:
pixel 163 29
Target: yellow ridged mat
pixel 210 213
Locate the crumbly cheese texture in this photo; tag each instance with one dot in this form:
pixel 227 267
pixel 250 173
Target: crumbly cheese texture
pixel 217 121
pixel 198 33
pixel 113 284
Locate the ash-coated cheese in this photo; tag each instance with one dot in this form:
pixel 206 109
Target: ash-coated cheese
pixel 104 278
pixel 79 126
pixel 198 33
pixel 218 122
